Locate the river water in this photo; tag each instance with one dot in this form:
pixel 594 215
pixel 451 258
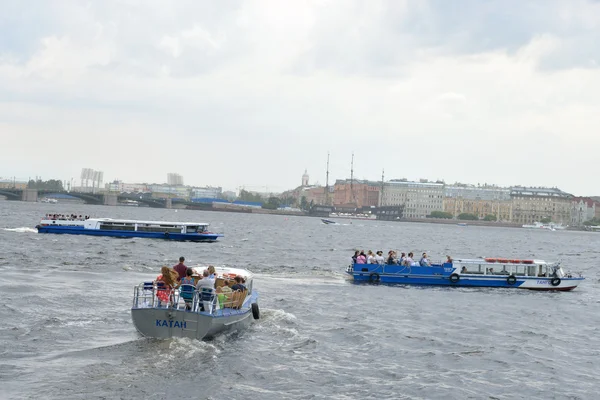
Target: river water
pixel 66 331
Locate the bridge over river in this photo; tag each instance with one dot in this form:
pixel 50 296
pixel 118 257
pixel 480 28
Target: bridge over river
pixel 110 199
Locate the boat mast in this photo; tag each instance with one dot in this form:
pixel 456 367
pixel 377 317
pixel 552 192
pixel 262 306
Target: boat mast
pixel 382 186
pixel 327 182
pixel 352 180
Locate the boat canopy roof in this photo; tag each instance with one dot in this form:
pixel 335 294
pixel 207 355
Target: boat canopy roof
pixel 221 271
pixel 499 261
pixel 133 221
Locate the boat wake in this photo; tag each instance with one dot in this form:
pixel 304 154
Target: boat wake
pixel 23 229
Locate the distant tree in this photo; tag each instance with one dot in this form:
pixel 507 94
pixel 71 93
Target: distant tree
pixel 52 184
pixel 303 203
pixel 489 217
pixel 247 196
pixel 440 214
pixel 546 220
pixel 468 217
pixel 272 203
pixel 592 222
pixel 287 201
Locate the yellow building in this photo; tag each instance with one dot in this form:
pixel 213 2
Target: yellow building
pixel 501 209
pixel 12 184
pixel 534 204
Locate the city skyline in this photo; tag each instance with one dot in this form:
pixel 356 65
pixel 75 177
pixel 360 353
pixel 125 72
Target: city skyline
pixel 253 93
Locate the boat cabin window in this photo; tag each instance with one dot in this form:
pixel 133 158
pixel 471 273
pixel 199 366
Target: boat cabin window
pixel 117 226
pixel 191 229
pixel 542 270
pixel 158 228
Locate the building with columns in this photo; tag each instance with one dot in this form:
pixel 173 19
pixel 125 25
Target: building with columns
pixel 419 198
pixel 532 204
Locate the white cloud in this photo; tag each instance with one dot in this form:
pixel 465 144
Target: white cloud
pixel 263 90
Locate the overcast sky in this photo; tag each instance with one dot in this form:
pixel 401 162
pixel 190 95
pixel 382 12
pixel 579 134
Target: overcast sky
pixel 252 93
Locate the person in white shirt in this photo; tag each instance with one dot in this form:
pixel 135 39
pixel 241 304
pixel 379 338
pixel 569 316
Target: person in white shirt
pixel 410 261
pixel 379 258
pixel 371 258
pixel 205 282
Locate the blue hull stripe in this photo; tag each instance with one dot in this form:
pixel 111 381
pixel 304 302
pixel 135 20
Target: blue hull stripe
pixel 441 280
pixel 79 230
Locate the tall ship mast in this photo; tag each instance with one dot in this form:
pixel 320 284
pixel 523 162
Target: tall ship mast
pixel 327 182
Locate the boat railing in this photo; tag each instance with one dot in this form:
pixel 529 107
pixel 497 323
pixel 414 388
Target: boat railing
pixel 206 300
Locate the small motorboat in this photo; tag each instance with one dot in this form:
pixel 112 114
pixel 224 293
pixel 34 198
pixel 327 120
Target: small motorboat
pixel 207 314
pixel 328 221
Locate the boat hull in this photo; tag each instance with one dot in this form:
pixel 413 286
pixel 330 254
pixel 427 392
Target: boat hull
pixel 446 275
pixel 164 323
pixel 80 230
pixel 167 322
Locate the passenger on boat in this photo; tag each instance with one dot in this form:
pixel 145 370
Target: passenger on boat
pixel 392 259
pixel 238 284
pixel 224 294
pixel 211 272
pixel 371 258
pixel 379 258
pixel 361 259
pixel 186 293
pixel 490 271
pixel 449 259
pixel 206 281
pixel 409 260
pixel 403 259
pixel 166 282
pixel 424 262
pixel 181 268
pixel 463 270
pixel 355 256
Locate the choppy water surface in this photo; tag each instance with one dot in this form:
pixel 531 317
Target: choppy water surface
pixel 66 330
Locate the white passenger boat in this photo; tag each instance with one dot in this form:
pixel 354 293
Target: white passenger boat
pixel 123 228
pixel 210 313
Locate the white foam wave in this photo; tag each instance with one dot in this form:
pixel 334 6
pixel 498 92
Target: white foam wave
pixel 23 229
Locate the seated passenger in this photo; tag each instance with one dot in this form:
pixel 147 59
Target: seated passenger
pixel 391 259
pixel 355 256
pixel 403 259
pixel 205 281
pixel 424 262
pixel 361 259
pixel 491 271
pixel 166 282
pixel 463 270
pixel 409 260
pixel 378 258
pixel 238 284
pixel 371 258
pixel 187 288
pixel 449 259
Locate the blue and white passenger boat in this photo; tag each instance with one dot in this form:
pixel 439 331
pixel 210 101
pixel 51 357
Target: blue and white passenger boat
pixel 489 272
pixel 123 228
pixel 207 315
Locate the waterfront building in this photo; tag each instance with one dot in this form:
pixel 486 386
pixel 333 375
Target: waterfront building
pixel 418 198
pixel 122 187
pixel 167 191
pixel 532 204
pixel 12 184
pixel 472 192
pixel 501 209
pixel 478 200
pixel 356 193
pixel 206 192
pixel 583 209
